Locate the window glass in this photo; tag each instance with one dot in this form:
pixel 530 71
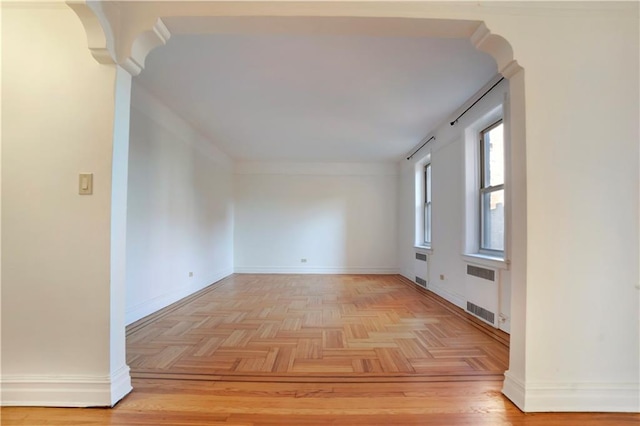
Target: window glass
pixel 493 153
pixel 492 189
pixel 492 211
pixel 427 204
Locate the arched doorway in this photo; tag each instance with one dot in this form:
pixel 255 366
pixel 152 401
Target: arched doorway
pixel 133 41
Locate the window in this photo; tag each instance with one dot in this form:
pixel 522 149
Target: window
pixel 427 205
pixel 486 167
pixel 491 238
pixel 423 208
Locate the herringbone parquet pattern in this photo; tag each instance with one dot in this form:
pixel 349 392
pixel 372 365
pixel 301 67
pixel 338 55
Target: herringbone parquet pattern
pixel 319 326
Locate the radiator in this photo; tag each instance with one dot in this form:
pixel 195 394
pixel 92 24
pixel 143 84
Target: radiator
pixel 421 269
pixel 482 290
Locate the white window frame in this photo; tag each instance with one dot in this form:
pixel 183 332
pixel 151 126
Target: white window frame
pixel 472 174
pixel 427 211
pixel 482 190
pixel 420 204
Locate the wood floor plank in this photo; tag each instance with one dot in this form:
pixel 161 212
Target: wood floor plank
pixel 316 316
pixel 313 350
pixel 190 403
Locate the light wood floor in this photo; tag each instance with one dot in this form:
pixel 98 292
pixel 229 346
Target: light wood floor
pixel 348 350
pixel 283 327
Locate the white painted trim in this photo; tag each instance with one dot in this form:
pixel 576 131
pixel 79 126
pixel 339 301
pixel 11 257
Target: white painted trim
pixel 569 397
pixel 141 310
pixel 423 249
pixel 21 4
pixel 511 69
pixel 99 36
pixel 317 169
pixel 456 299
pixel 479 36
pixel 120 379
pixel 142 44
pixel 120 384
pixel 513 389
pixel 413 280
pixel 308 270
pixel 69 391
pixel 582 397
pixel 486 261
pixel 162 31
pixel 408 276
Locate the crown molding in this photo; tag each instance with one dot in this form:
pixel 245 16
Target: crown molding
pixel 129 44
pixel 97 38
pixel 17 4
pixel 497 47
pixel 142 44
pixel 511 69
pixel 316 168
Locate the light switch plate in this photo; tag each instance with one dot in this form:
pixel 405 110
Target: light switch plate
pixel 85 184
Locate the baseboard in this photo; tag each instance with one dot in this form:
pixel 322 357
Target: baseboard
pixel 71 391
pixel 120 384
pixel 456 299
pixel 513 389
pixel 311 270
pixel 141 310
pixel 407 275
pixel 582 397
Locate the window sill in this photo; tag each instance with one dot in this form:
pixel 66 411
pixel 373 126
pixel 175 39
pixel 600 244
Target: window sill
pixel 485 260
pixel 424 249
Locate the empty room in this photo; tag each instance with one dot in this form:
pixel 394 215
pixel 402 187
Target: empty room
pixel 320 213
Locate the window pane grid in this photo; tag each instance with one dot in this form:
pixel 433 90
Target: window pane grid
pixel 427 204
pixel 491 189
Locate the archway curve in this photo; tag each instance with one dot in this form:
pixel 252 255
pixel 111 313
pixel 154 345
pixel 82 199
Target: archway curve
pixel 150 25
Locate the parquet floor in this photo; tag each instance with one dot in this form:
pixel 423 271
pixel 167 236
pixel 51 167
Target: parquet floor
pixel 312 350
pixel 300 327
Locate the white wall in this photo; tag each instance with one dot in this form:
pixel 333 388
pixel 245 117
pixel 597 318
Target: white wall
pixel 582 131
pixel 58 121
pixel 448 227
pixel 577 342
pixel 180 215
pixel 340 217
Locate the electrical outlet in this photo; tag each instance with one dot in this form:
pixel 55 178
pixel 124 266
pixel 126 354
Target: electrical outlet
pixel 303 260
pixel 190 274
pixel 441 277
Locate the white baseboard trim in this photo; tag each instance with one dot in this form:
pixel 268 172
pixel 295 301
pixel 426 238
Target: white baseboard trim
pixel 141 310
pixel 456 299
pixel 407 275
pixel 120 384
pixel 310 270
pixel 582 397
pixel 71 391
pixel 513 389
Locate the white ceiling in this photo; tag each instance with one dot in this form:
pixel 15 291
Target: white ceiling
pixel 315 97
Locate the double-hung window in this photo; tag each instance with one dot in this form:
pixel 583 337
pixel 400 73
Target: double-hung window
pixel 427 205
pixel 491 238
